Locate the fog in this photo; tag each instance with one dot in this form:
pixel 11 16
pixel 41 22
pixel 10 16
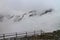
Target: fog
pixel 48 22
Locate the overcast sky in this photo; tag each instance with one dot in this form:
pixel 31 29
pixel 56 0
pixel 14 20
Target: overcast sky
pixel 21 6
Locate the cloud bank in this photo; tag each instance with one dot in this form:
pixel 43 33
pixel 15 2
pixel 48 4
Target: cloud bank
pixel 47 22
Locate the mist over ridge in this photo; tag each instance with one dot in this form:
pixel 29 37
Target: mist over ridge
pixel 29 14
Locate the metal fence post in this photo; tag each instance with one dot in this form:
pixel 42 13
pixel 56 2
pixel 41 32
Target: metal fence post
pixel 34 35
pixel 16 36
pixel 26 36
pixel 3 36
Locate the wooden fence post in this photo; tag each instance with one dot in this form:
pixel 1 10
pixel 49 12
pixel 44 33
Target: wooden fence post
pixel 16 36
pixel 3 36
pixel 26 36
pixel 34 35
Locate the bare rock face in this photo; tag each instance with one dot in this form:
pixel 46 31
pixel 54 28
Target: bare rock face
pixel 50 10
pixel 1 18
pixel 32 13
pixel 9 16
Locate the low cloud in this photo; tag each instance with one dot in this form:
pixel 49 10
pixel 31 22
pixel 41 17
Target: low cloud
pixel 47 22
